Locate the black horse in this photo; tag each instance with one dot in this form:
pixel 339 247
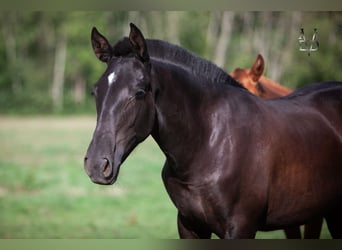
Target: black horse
pixel 235 163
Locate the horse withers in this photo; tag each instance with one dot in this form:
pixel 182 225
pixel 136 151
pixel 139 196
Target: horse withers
pixel 235 163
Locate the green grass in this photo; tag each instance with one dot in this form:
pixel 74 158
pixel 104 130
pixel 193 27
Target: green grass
pixel 45 192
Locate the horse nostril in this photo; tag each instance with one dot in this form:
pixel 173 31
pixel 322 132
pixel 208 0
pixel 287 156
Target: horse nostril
pixel 106 168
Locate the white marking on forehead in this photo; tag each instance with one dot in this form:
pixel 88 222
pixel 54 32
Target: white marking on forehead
pixel 111 78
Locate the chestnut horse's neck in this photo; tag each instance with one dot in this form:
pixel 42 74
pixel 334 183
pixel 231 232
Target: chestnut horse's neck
pixel 272 88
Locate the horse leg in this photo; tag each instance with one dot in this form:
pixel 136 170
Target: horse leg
pixel 334 222
pixel 188 230
pixel 313 229
pixel 293 232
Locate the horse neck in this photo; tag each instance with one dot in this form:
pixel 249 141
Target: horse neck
pixel 178 104
pixel 190 119
pixel 272 88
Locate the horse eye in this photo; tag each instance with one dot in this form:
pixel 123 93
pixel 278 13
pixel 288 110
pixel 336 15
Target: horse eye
pixel 140 93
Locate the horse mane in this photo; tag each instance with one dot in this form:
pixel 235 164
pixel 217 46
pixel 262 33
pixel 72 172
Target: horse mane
pixel 166 52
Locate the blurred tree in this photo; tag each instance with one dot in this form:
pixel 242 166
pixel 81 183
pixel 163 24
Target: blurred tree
pixel 9 21
pixel 59 69
pixel 47 64
pixel 226 28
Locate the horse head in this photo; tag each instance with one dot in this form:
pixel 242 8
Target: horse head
pixel 124 104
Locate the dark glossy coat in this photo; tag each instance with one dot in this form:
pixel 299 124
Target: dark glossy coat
pixel 235 163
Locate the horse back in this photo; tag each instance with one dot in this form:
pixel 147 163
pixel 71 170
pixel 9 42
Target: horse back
pixel 306 167
pixel 328 102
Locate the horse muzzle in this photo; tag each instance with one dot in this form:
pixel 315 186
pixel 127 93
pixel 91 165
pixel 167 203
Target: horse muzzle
pixel 101 171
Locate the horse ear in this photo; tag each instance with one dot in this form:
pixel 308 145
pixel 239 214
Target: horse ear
pixel 101 46
pixel 138 43
pixel 258 68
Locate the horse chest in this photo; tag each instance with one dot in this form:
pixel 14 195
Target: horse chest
pixel 195 203
pixel 190 204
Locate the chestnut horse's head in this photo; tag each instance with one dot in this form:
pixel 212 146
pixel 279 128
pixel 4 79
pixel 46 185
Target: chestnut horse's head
pixel 249 78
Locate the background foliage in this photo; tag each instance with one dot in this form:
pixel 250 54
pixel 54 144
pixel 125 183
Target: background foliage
pixel 47 64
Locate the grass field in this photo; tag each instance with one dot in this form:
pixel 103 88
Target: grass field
pixel 45 193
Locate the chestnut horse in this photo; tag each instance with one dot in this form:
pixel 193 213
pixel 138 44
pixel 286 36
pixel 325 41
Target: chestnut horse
pixel 235 163
pixel 254 80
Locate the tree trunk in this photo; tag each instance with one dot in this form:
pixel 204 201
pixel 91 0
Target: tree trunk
pixel 173 24
pixel 224 38
pixel 212 33
pixel 284 40
pixel 8 30
pixel 58 73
